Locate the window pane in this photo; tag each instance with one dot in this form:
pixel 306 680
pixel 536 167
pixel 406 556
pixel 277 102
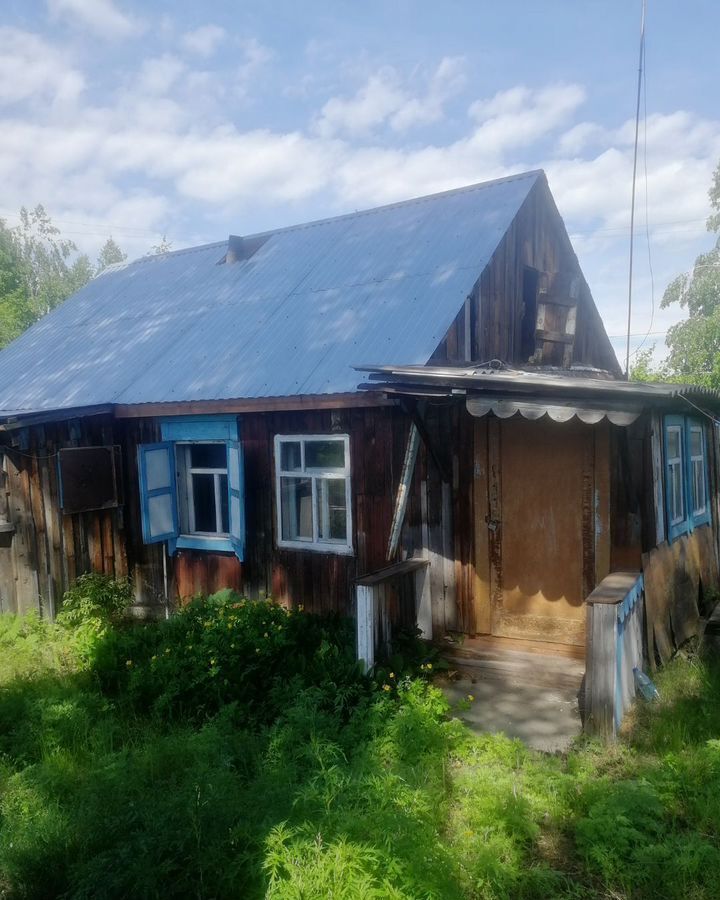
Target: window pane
pixel 296 509
pixel 695 442
pixel 160 514
pixel 698 487
pixel 673 439
pixel 290 459
pixel 208 456
pixel 204 502
pixel 325 455
pixel 224 504
pixel 676 493
pixel 157 467
pixel 332 511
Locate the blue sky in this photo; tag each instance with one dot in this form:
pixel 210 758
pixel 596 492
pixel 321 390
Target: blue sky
pixel 197 120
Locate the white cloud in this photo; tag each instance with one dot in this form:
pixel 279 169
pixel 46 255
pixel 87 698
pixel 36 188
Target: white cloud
pixel 159 74
pixel 170 131
pixel 255 57
pixel 204 40
pixel 29 67
pixel 101 16
pixel 384 98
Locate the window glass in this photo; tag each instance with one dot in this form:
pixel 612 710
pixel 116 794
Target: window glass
pixel 314 503
pixel 160 514
pixel 324 455
pixel 676 494
pixel 696 447
pixel 698 486
pixel 296 507
pixel 157 467
pixel 673 443
pixel 203 498
pixel 332 510
pixel 290 456
pixel 208 456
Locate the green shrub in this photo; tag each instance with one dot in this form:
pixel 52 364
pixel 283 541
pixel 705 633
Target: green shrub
pixel 225 649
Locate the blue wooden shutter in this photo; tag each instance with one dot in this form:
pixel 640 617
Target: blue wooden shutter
pixel 236 490
pixel 158 494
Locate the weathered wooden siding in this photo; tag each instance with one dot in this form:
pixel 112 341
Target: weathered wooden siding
pixel 49 550
pixel 489 326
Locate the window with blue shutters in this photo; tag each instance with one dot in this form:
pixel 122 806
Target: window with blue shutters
pixel 192 485
pixel 686 477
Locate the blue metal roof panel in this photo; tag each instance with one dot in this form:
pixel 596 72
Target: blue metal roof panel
pixel 314 300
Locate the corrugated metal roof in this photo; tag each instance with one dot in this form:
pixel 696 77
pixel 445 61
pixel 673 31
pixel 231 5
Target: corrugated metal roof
pixel 381 285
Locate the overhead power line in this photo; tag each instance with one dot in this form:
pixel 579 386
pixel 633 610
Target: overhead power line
pixel 634 179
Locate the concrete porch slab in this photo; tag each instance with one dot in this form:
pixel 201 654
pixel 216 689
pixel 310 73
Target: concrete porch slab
pixel 545 717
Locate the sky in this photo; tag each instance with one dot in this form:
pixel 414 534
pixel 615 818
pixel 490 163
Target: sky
pixel 194 121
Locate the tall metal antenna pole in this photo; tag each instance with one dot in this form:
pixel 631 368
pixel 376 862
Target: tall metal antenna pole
pixel 634 178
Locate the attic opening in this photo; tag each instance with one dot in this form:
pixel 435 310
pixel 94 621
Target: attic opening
pixel 529 312
pixel 241 248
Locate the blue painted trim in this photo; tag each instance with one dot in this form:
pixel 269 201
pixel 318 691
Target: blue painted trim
pixel 200 428
pixel 146 495
pixel 237 529
pixel 624 609
pixel 682 527
pixel 703 518
pixel 197 542
pixel 619 652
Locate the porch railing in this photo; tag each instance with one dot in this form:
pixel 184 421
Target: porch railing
pixel 387 599
pixel 615 646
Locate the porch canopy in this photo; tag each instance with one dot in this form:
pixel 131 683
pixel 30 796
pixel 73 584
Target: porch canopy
pixel 589 395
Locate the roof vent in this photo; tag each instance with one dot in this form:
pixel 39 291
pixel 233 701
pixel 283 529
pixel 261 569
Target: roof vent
pixel 240 248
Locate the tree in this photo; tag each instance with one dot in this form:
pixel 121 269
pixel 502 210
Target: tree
pixel 165 246
pixel 694 343
pixel 49 272
pixel 110 255
pixel 15 310
pixel 39 269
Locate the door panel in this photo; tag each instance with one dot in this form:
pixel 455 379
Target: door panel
pixel 534 524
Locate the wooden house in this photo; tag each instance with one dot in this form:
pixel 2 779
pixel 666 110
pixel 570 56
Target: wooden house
pixel 411 413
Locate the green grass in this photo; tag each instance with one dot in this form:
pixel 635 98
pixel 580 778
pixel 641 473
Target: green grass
pixel 213 770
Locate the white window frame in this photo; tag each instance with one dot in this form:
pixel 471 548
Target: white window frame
pixel 185 471
pixel 694 459
pixel 314 475
pixel 672 462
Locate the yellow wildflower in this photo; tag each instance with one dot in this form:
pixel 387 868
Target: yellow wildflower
pixel 391 675
pixel 386 687
pixel 128 663
pixel 429 666
pixel 470 697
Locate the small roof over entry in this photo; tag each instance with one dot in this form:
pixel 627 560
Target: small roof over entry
pixel 589 395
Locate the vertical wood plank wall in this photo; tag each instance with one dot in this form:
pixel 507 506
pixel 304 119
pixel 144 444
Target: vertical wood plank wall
pixel 49 550
pixel 536 239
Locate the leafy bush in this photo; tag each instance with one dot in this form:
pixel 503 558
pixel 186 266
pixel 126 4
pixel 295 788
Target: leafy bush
pixel 225 649
pixel 300 777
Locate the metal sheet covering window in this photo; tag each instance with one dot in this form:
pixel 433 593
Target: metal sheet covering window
pixel 312 492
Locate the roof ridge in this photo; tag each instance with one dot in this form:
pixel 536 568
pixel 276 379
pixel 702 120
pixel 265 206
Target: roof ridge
pixel 467 188
pixel 314 223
